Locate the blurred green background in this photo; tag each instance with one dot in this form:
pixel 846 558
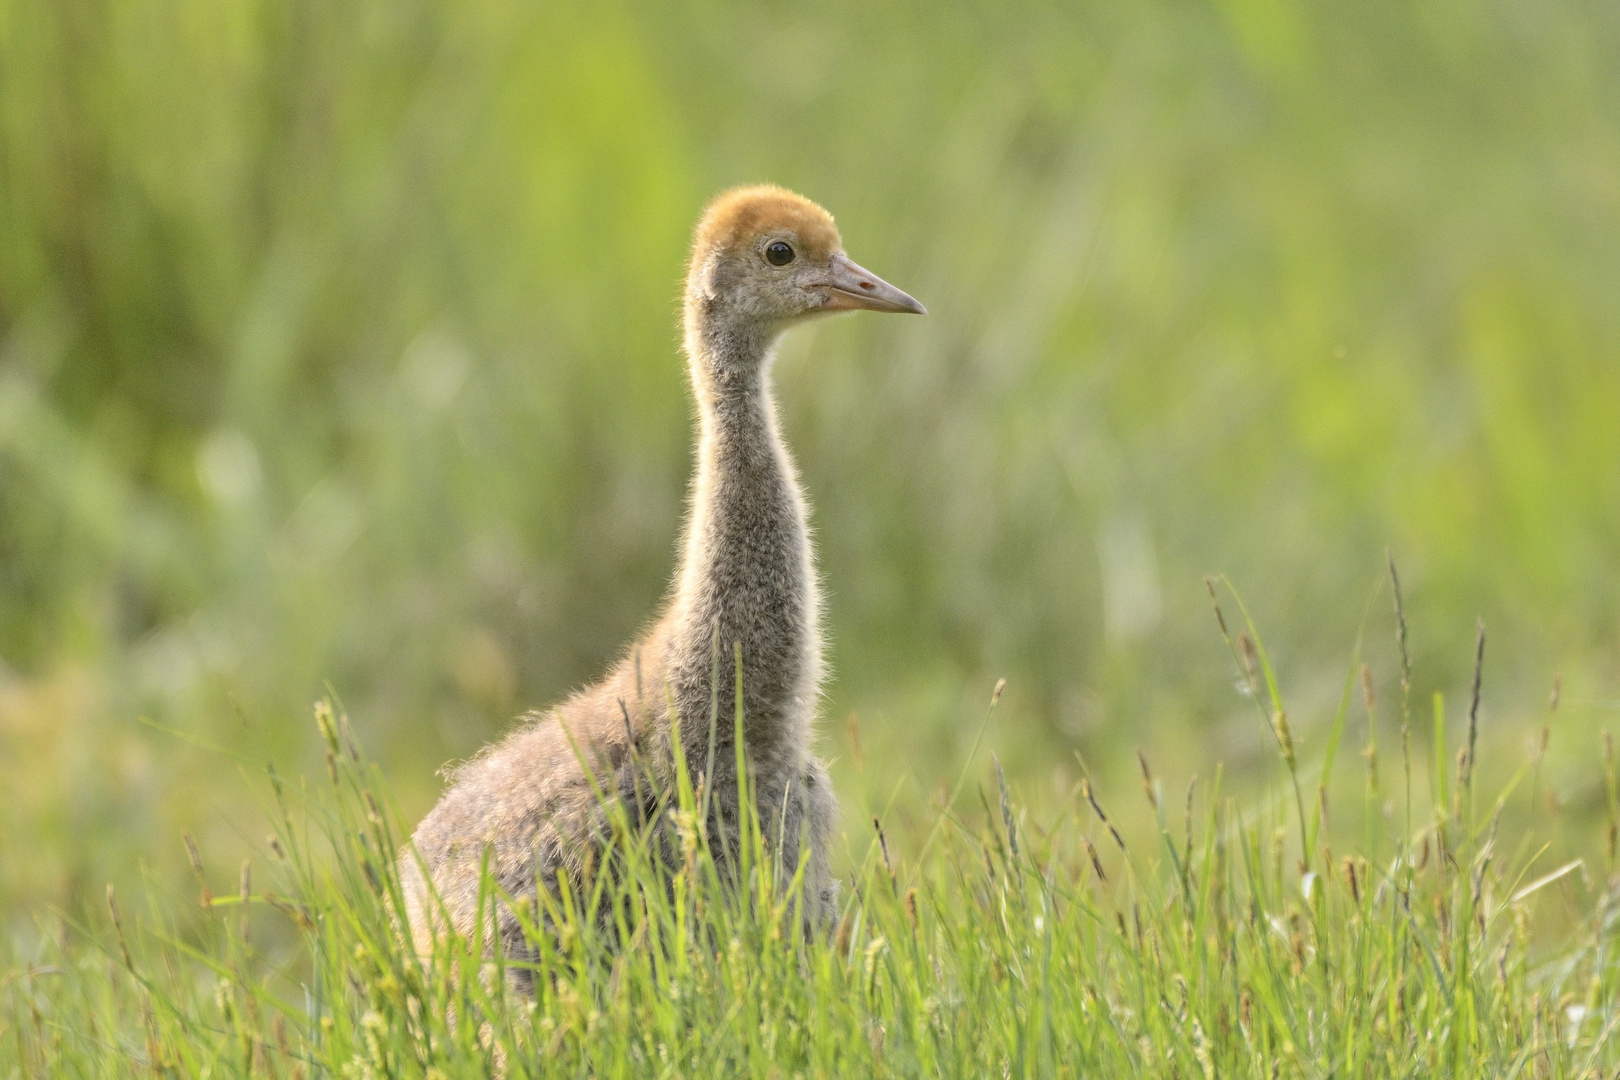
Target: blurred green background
pixel 337 344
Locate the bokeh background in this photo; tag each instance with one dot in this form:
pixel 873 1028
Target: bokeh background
pixel 338 349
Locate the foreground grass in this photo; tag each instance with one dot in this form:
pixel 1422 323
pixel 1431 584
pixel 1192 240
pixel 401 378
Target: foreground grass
pixel 1001 949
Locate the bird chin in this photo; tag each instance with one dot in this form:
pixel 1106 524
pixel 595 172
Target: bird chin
pixel 817 314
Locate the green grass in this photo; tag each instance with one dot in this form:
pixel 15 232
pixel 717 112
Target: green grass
pixel 1236 944
pixel 338 341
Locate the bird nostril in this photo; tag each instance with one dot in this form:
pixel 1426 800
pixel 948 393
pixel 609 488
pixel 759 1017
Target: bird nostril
pixel 867 285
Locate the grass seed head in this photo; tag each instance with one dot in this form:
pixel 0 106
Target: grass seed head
pixel 1250 654
pixel 1096 863
pixel 1147 779
pixel 1285 737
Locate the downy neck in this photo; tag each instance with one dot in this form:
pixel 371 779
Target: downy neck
pixel 746 564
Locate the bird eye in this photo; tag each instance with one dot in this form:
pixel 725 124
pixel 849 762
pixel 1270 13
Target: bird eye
pixel 780 253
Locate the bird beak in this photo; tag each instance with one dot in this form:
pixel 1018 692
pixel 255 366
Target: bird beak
pixel 850 287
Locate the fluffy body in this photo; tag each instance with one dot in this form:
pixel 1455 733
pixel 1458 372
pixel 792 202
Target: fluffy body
pixel 746 582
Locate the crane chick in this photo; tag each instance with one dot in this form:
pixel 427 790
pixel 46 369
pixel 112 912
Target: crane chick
pixel 763 259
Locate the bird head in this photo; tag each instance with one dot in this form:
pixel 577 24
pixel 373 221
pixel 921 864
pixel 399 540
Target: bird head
pixel 771 258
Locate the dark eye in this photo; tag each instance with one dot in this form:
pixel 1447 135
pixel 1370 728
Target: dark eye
pixel 780 253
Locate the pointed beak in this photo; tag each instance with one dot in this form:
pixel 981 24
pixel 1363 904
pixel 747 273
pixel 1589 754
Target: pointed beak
pixel 850 287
